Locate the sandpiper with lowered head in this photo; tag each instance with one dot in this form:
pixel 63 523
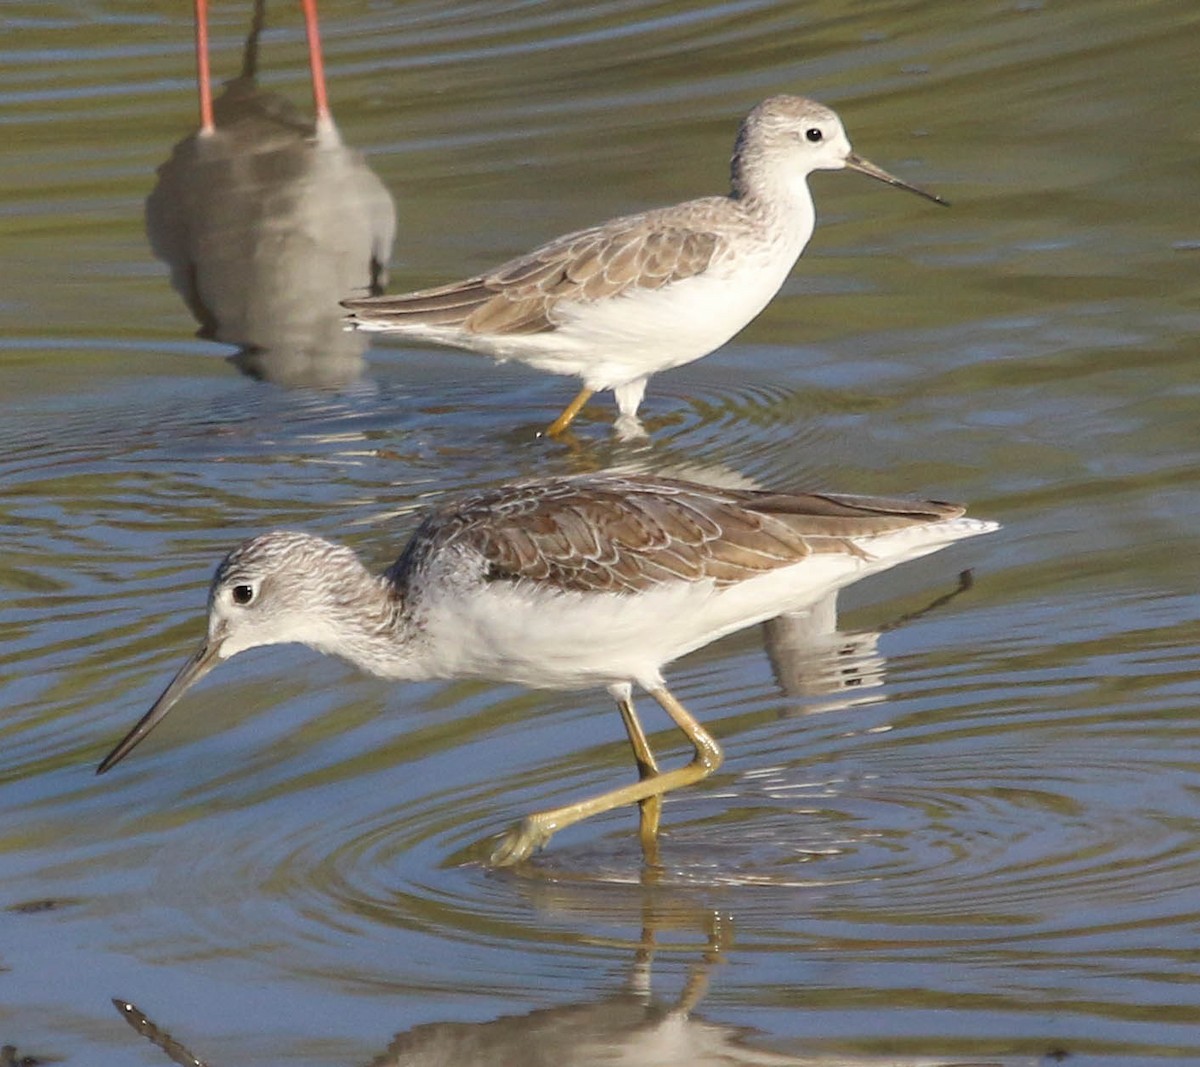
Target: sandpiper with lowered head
pixel 565 583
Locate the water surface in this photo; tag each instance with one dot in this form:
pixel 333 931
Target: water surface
pixel 966 829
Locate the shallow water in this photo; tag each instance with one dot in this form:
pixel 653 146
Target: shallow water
pixel 966 830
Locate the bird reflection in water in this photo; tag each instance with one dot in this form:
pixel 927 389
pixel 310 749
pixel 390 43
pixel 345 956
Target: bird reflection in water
pixel 626 1026
pixel 266 219
pixel 819 665
pixel 827 668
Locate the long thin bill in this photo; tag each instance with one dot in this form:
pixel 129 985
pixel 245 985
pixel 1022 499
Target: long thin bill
pixel 207 656
pixel 864 166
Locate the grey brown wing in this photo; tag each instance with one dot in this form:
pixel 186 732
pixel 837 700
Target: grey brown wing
pixel 520 296
pixel 632 534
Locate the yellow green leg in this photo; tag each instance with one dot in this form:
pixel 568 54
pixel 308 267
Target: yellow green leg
pixel 572 409
pixel 535 830
pixel 650 809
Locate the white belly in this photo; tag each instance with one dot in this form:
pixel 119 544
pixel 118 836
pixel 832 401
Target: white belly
pixel 644 331
pixel 566 640
pixel 621 339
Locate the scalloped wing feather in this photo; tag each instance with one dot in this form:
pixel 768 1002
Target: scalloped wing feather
pixel 631 534
pixel 519 297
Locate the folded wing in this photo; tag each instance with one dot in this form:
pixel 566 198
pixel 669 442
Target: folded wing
pixel 630 534
pixel 520 297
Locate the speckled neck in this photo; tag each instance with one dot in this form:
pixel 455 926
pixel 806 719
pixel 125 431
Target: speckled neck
pixel 765 185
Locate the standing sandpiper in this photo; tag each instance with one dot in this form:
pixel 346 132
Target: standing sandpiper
pixel 621 301
pixel 565 583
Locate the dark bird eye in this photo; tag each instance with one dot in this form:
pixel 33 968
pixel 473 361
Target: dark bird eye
pixel 813 134
pixel 242 594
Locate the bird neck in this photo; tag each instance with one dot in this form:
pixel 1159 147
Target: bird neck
pixel 370 628
pixel 769 185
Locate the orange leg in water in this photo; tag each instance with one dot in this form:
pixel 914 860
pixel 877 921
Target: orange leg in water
pixel 203 76
pixel 568 416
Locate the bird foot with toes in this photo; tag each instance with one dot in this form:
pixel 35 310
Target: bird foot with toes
pixel 519 843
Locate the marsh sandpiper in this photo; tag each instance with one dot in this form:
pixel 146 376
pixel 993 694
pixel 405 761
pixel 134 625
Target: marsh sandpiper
pixel 616 303
pixel 566 583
